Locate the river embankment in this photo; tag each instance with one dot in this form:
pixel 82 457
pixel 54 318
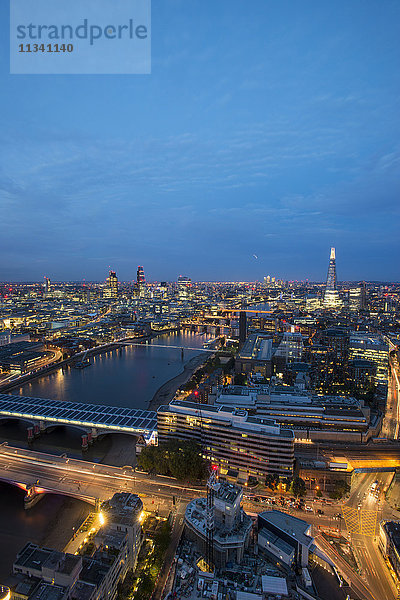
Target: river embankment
pixel 167 391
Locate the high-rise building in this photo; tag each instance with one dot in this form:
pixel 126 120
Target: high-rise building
pixel 140 282
pixel 331 279
pixel 373 348
pixel 184 285
pixel 47 284
pixel 218 525
pixel 331 297
pixel 357 297
pixel 111 288
pixel 140 278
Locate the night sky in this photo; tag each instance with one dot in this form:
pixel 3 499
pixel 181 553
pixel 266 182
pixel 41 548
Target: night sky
pixel 266 128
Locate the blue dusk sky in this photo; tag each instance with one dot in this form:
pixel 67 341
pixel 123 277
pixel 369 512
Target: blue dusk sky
pixel 267 128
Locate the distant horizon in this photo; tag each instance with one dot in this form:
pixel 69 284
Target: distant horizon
pixel 264 135
pixel 155 281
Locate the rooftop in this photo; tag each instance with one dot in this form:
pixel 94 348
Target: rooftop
pixel 274 585
pixel 234 417
pixel 48 591
pixel 295 527
pixel 122 508
pixel 227 492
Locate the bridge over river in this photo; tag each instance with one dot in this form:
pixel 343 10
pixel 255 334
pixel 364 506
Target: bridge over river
pixel 92 419
pixel 39 473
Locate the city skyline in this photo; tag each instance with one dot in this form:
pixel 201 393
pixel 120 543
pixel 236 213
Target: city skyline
pixel 271 133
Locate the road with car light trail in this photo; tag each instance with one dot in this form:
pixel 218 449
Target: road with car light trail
pixel 84 480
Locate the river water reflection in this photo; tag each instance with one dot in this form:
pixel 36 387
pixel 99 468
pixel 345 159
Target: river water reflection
pixel 127 377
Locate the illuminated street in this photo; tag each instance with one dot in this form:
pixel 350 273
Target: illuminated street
pixel 83 479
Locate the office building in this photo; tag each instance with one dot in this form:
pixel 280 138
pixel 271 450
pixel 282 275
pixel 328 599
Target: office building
pixel 46 285
pixel 140 278
pixel 290 347
pixel 357 298
pixel 123 513
pixel 230 438
pixel 288 539
pixel 140 287
pixel 361 374
pixel 371 348
pixel 308 415
pixel 184 284
pixel 111 287
pixel 389 543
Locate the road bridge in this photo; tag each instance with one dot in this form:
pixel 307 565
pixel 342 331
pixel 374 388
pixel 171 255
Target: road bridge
pixel 84 480
pixel 92 419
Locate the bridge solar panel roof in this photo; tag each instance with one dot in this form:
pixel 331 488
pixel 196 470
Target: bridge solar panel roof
pixel 91 415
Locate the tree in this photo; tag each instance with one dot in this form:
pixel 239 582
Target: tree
pixel 272 481
pixel 298 487
pixel 181 459
pixel 341 488
pixel 145 586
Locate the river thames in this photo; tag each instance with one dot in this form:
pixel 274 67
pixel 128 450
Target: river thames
pixel 126 377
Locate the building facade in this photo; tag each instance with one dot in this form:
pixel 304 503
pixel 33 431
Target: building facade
pixel 230 438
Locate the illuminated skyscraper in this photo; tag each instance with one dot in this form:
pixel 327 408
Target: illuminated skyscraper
pixel 111 289
pixel 331 297
pixel 47 284
pixel 140 278
pixel 357 297
pixel 140 282
pixel 184 285
pixel 331 279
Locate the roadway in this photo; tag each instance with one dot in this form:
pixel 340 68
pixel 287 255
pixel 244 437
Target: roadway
pixel 364 538
pixel 40 364
pixel 390 427
pixel 90 481
pixel 374 581
pixel 86 480
pixel 323 523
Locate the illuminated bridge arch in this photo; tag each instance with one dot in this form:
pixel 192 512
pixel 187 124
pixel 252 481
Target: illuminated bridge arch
pixel 29 422
pixel 47 490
